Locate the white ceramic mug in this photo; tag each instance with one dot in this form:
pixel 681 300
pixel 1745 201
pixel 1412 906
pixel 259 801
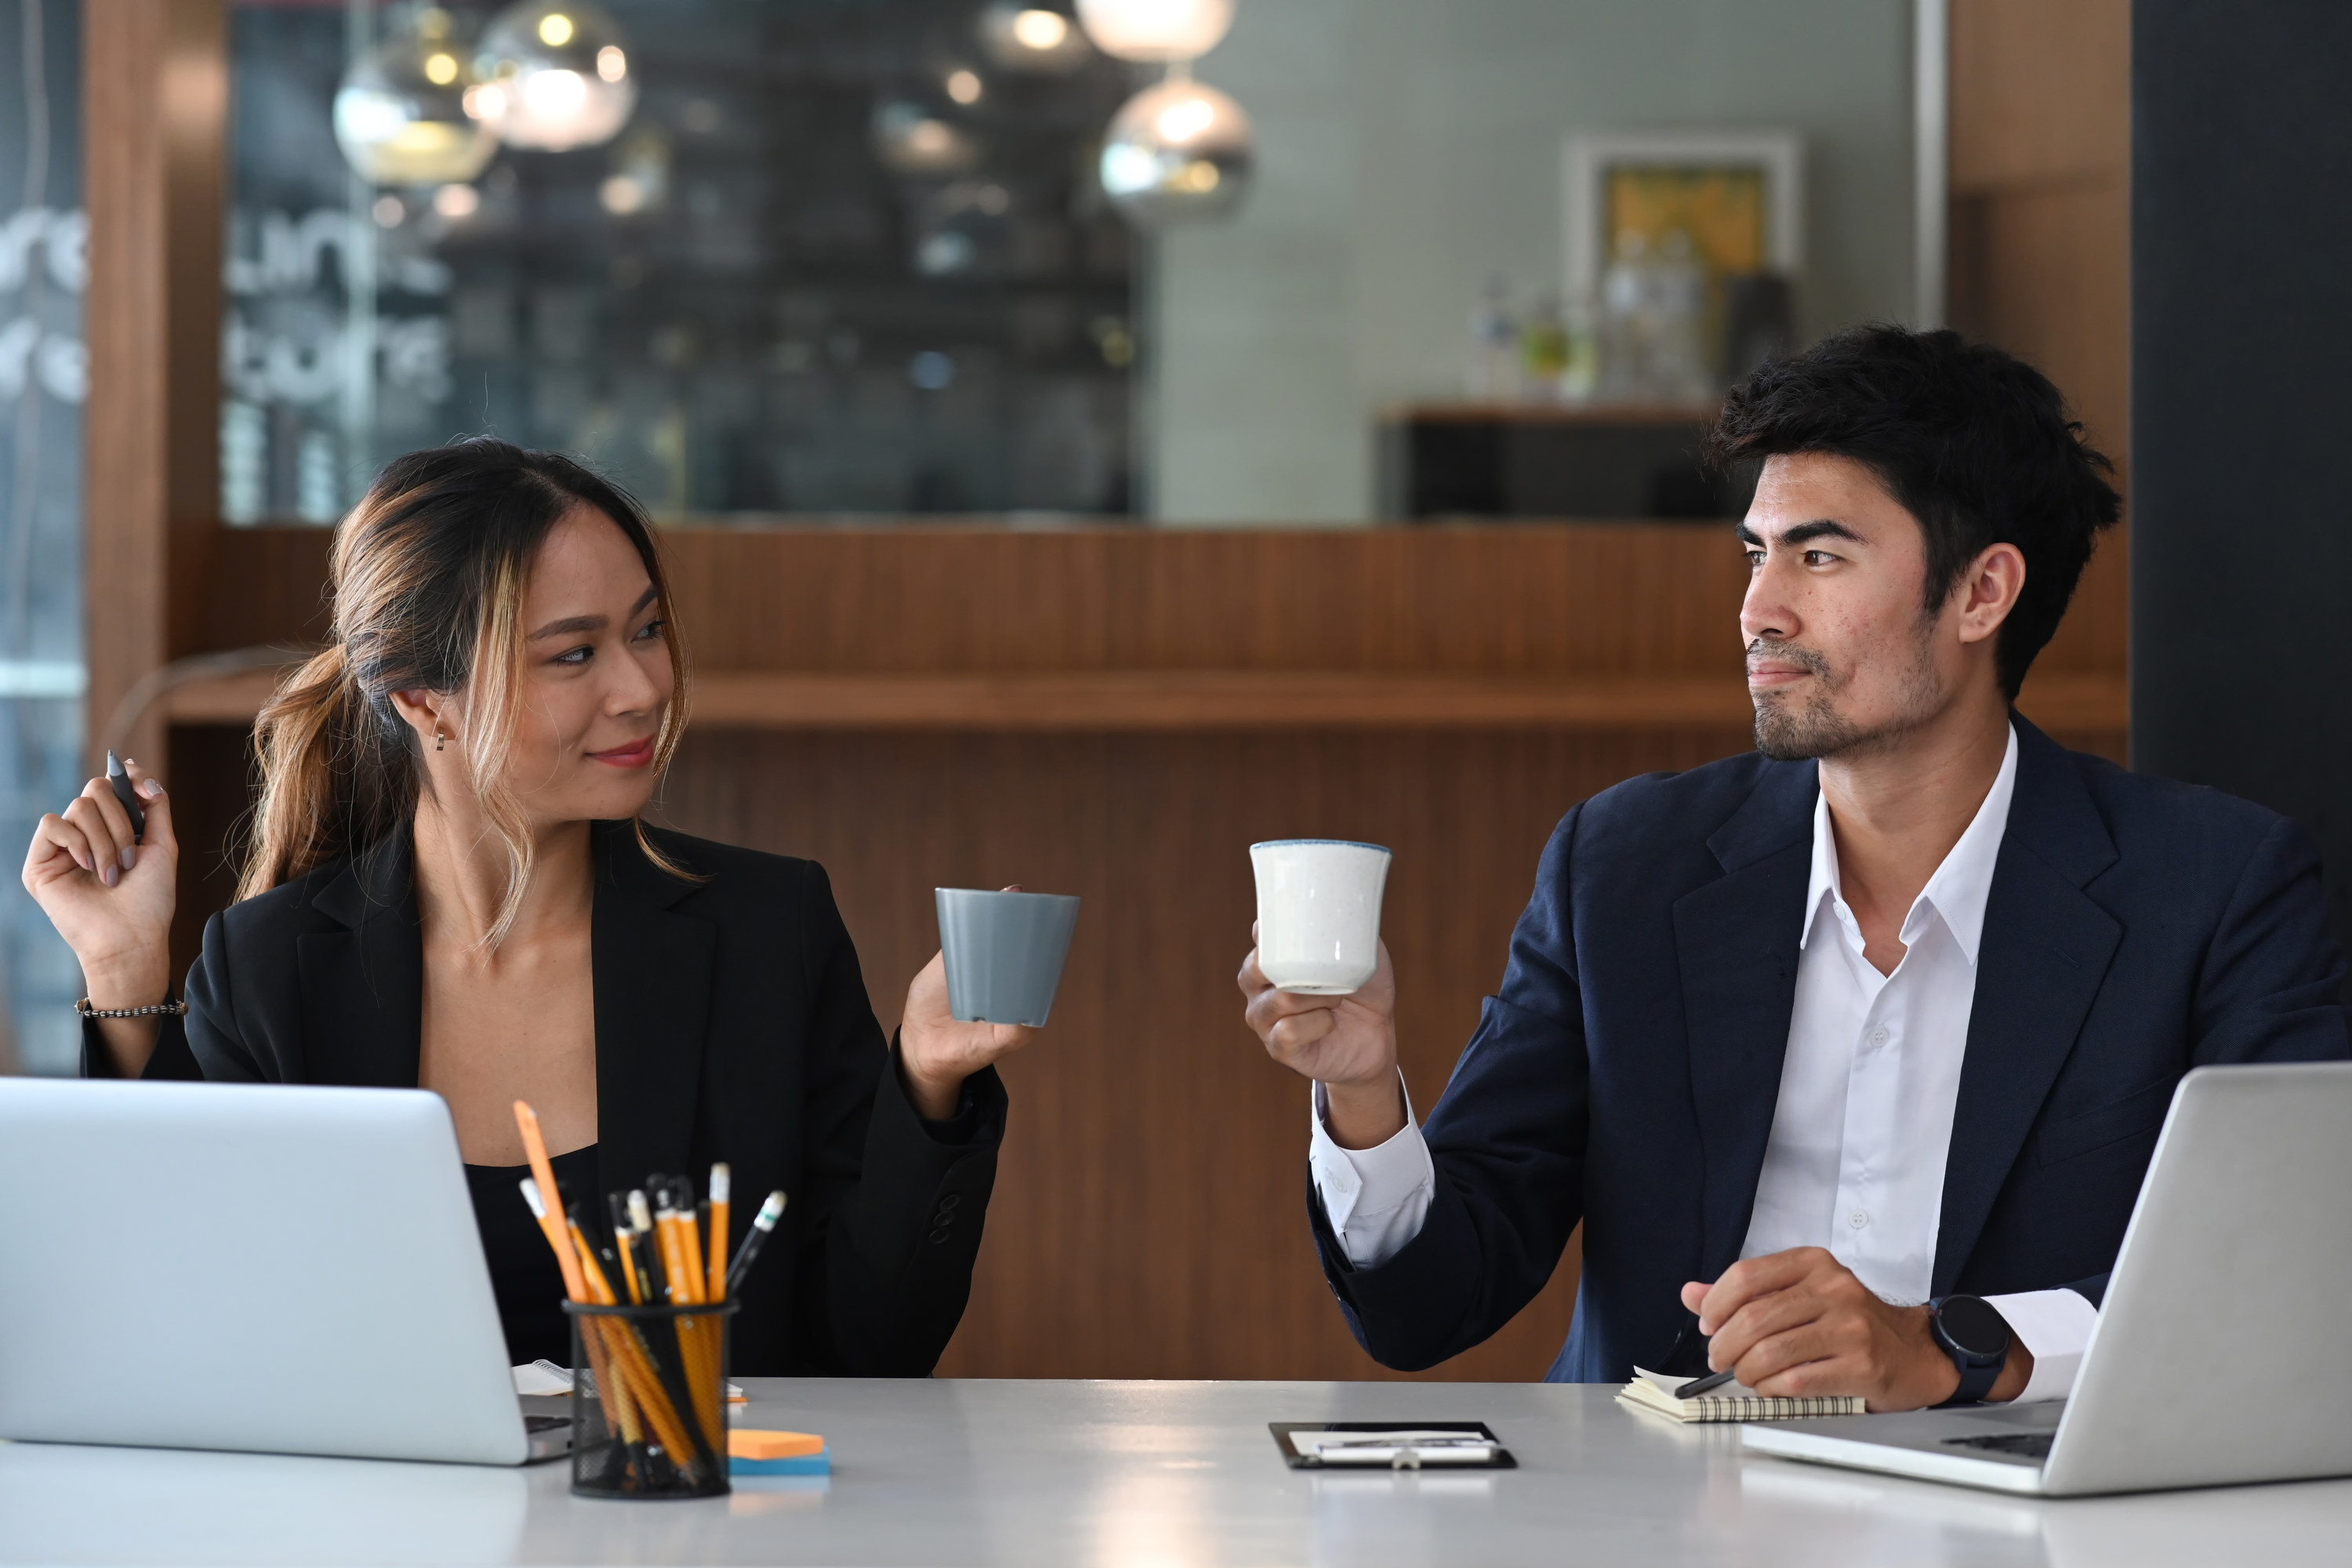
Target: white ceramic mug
pixel 1318 913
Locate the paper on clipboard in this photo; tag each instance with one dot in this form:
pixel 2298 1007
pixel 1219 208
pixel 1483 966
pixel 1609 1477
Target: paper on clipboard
pixel 1426 1445
pixel 1377 1445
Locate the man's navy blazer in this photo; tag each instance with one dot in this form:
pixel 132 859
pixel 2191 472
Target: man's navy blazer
pixel 1626 1075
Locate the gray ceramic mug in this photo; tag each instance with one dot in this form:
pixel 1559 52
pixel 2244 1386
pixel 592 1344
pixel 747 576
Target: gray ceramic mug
pixel 1004 953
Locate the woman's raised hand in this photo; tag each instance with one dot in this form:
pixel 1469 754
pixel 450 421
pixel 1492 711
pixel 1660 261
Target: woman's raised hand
pixel 111 899
pixel 939 1052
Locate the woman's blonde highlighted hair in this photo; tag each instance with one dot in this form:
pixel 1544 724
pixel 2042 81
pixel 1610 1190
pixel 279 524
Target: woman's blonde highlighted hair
pixel 426 584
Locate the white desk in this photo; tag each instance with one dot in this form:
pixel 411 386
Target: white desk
pixel 1139 1475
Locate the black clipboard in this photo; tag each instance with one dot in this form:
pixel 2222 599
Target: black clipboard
pixel 1282 1430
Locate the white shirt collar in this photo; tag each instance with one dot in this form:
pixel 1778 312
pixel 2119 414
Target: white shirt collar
pixel 1955 894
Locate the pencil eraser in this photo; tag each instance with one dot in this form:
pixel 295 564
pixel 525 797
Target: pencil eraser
pixel 748 1443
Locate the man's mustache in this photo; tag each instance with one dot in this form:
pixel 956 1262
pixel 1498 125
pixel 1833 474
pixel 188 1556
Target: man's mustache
pixel 1767 647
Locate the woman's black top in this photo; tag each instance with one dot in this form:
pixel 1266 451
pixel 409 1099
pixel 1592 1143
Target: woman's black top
pixel 732 1024
pixel 524 1275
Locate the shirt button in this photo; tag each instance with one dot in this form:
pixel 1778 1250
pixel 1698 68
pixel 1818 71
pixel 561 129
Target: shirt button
pixel 1857 1219
pixel 1878 1037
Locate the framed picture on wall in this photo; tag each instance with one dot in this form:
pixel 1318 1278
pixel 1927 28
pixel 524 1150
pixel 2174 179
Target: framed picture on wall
pixel 1734 199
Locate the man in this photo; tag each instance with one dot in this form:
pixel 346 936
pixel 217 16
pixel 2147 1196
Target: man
pixel 1849 1054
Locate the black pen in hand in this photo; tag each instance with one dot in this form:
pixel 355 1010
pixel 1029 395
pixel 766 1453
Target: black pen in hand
pixel 120 779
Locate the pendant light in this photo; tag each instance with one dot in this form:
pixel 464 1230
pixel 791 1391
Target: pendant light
pixel 552 75
pixel 400 116
pixel 1155 32
pixel 1177 151
pixel 1027 35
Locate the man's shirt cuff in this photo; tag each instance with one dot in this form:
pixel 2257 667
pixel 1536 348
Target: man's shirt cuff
pixel 2056 1325
pixel 1375 1198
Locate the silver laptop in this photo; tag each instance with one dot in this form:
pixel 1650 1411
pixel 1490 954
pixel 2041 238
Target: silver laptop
pixel 2218 1355
pixel 263 1269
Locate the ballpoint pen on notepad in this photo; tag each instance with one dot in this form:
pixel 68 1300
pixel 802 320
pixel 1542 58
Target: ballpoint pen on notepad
pixel 1706 1385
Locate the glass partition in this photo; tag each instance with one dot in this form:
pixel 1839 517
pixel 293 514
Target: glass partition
pixel 838 257
pixel 43 379
pixel 872 258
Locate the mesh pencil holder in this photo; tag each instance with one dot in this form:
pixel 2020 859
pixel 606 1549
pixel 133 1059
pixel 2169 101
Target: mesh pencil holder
pixel 649 1400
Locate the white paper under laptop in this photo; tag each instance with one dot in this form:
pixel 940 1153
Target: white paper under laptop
pixel 2214 1359
pixel 204 1266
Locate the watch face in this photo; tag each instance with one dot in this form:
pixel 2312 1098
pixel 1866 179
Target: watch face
pixel 1974 1327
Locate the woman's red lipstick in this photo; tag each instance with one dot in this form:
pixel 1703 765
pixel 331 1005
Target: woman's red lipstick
pixel 635 754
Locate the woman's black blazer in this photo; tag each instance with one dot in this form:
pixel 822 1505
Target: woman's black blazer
pixel 732 1024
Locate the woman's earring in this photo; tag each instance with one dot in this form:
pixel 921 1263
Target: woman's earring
pixel 440 741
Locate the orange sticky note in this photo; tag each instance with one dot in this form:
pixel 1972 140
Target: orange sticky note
pixel 745 1443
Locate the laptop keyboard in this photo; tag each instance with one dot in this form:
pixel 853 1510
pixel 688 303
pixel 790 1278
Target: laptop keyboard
pixel 2024 1445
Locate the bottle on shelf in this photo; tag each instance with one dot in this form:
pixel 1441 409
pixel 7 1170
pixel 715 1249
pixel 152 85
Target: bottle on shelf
pixel 1544 351
pixel 1493 372
pixel 1683 369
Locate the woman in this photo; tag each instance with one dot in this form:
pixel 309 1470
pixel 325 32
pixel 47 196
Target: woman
pixel 450 885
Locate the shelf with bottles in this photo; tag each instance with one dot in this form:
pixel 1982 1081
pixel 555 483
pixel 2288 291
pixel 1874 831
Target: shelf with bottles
pixel 1663 338
pixel 1549 461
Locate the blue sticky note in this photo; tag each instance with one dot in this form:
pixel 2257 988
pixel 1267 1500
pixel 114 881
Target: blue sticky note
pixel 804 1465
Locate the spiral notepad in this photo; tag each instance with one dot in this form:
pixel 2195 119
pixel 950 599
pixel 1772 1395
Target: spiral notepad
pixel 1654 1391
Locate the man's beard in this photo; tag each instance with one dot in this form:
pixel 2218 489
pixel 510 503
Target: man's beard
pixel 1788 733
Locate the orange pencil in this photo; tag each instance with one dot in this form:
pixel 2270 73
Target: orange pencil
pixel 689 1238
pixel 685 1288
pixel 534 1148
pixel 721 1185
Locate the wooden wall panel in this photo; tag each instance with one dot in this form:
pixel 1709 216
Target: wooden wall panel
pixel 2041 182
pixel 2041 259
pixel 1149 1218
pixel 155 90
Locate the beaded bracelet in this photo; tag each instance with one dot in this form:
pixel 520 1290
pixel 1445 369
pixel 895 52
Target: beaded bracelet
pixel 161 1009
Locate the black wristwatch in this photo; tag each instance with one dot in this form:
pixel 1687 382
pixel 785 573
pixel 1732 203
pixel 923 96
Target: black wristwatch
pixel 1976 1337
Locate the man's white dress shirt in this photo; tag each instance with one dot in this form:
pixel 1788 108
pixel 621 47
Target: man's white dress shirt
pixel 1864 1121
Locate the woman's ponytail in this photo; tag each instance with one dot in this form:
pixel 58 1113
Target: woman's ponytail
pixel 305 742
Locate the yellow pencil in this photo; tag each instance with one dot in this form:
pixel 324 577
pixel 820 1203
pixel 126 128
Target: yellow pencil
pixel 721 1185
pixel 534 1148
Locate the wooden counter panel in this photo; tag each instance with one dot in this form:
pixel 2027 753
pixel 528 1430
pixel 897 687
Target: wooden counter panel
pixel 1149 1220
pixel 1142 701
pixel 1532 600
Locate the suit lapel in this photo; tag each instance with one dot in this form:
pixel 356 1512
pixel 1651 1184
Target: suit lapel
pixel 2040 963
pixel 1735 941
pixel 362 985
pixel 653 971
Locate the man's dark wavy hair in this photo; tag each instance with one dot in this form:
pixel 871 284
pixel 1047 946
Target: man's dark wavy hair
pixel 1974 443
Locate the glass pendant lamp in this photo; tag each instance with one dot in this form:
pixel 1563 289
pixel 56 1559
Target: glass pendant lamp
pixel 1155 32
pixel 400 116
pixel 1175 151
pixel 552 75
